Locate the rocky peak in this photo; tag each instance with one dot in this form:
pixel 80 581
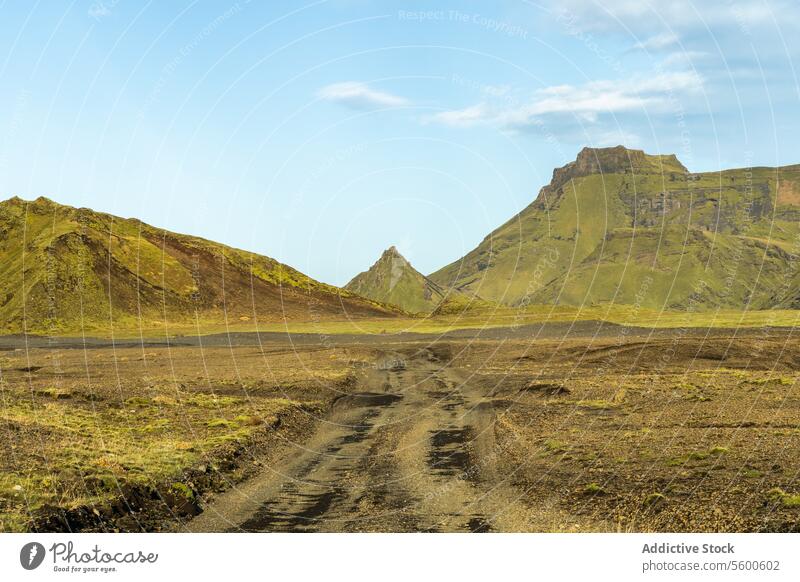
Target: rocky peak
pixel 615 160
pixel 392 279
pixel 393 255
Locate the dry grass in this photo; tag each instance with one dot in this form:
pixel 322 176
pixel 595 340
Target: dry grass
pixel 633 448
pixel 83 425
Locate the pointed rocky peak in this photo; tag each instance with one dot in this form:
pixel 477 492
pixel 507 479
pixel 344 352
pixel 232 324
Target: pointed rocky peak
pixel 390 262
pixel 392 252
pixel 393 258
pixel 392 279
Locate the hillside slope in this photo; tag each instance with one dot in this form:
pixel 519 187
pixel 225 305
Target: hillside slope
pixel 618 225
pixel 65 268
pixel 393 280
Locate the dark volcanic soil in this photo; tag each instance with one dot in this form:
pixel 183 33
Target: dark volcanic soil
pixel 543 428
pixel 590 330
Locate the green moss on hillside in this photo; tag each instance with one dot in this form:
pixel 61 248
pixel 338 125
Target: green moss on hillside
pixel 66 269
pixel 393 280
pixel 622 226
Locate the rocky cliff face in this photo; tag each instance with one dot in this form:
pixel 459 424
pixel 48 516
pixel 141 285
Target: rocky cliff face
pixel 393 280
pixel 614 160
pixel 616 221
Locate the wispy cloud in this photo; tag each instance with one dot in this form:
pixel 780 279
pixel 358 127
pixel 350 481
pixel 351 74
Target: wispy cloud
pixel 360 96
pixel 586 103
pixel 465 117
pixel 658 42
pixel 643 17
pixel 684 59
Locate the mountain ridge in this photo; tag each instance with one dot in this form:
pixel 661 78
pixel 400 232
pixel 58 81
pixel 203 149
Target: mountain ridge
pixel 613 226
pixel 66 268
pixel 393 280
pixel 615 217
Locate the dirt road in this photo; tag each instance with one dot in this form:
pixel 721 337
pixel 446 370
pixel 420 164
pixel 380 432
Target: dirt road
pixel 563 434
pixel 412 450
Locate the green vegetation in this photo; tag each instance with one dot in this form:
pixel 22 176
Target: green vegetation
pixel 786 499
pixel 555 446
pixel 69 270
pixel 393 280
pixel 92 451
pixel 695 456
pixel 617 236
pixel 184 490
pixel 139 423
pixel 593 489
pixel 623 227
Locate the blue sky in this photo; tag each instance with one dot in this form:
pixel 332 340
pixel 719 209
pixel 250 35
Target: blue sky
pixel 321 133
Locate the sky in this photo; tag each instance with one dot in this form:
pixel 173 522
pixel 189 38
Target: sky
pixel 320 133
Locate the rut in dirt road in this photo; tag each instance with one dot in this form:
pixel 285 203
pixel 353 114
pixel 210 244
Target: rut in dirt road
pixel 400 455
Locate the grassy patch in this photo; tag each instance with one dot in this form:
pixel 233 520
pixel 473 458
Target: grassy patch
pixel 786 499
pixel 591 403
pixel 696 456
pixel 773 380
pixel 555 446
pixel 692 392
pixel 69 452
pixel 593 489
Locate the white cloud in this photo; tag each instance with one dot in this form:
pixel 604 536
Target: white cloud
pixel 659 42
pixel 684 59
pixel 644 17
pixel 360 96
pixel 586 103
pixel 463 117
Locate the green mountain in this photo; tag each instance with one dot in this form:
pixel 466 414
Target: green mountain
pixel 65 268
pixel 618 225
pixel 393 280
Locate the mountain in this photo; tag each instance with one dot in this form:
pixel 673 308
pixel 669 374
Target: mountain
pixel 393 280
pixel 65 268
pixel 618 225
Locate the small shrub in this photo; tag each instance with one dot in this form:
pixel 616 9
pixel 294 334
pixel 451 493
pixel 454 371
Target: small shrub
pixel 593 489
pixel 183 490
pixel 697 456
pixel 778 495
pixel 554 445
pixel 54 393
pixel 138 401
pixel 220 423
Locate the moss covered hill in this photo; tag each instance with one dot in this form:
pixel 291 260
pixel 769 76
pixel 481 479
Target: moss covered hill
pixel 618 225
pixel 393 280
pixel 63 268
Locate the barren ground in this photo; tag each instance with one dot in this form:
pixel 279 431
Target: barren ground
pixel 556 429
